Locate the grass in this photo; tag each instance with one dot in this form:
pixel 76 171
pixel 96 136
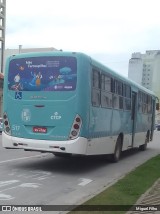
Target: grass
pixel 127 190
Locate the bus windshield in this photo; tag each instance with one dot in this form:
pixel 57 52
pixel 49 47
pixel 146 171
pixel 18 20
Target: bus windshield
pixel 50 73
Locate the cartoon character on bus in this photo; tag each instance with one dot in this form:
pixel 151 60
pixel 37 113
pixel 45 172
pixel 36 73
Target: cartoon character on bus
pixel 36 80
pixel 17 83
pixel 33 81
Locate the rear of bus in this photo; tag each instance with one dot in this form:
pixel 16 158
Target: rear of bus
pixel 42 103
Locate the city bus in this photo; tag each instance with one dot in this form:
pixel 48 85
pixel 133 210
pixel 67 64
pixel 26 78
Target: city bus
pixel 67 103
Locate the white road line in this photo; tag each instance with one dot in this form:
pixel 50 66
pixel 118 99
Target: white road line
pixel 5 197
pixel 31 185
pixel 85 181
pixel 7 183
pixel 17 159
pixel 26 185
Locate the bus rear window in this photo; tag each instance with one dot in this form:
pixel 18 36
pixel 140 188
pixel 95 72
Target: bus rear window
pixel 51 73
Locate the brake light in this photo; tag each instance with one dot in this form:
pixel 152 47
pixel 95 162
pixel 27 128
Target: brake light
pixel 76 126
pixel 7 128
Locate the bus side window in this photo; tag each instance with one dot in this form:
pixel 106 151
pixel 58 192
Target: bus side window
pixel 118 96
pixel 140 101
pixel 144 103
pixel 106 95
pixel 115 101
pixel 127 97
pixel 157 106
pixel 96 88
pixel 120 102
pixel 149 104
pixel 120 93
pixel 106 99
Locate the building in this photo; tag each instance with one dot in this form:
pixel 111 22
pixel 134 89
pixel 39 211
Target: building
pixel 145 70
pixel 135 67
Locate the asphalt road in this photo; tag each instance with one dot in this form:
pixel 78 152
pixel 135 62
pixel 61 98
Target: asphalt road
pixel 32 178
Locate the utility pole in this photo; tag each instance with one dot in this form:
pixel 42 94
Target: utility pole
pixel 2 31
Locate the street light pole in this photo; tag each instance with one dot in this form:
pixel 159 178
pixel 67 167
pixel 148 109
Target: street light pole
pixel 2 31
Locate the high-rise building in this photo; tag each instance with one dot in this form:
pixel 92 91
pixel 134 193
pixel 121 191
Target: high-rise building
pixel 145 70
pixel 135 67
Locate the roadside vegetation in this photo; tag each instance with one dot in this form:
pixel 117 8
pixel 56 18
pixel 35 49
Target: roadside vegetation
pixel 127 190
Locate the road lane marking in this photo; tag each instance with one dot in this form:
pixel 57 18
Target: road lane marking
pixel 84 181
pixel 37 175
pixel 26 185
pixel 30 185
pixel 7 183
pixel 17 159
pixel 28 176
pixel 5 197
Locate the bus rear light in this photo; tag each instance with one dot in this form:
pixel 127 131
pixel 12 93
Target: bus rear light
pixel 76 126
pixel 74 133
pixel 78 119
pixel 4 116
pixel 6 123
pixel 7 128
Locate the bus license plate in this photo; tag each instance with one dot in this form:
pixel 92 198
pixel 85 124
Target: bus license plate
pixel 39 129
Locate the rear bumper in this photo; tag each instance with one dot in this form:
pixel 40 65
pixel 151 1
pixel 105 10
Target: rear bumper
pixel 76 146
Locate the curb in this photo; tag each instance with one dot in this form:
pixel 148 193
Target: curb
pixel 149 199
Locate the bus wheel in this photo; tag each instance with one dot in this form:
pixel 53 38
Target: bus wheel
pixel 144 146
pixel 117 152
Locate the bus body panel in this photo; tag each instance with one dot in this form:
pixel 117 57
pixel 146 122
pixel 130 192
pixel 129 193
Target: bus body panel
pixel 53 111
pixel 114 122
pixel 77 146
pixel 52 117
pixel 43 120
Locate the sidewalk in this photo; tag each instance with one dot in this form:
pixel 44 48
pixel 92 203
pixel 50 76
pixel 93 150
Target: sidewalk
pixel 150 198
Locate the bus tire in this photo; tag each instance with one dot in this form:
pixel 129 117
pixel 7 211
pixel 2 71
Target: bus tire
pixel 143 147
pixel 117 152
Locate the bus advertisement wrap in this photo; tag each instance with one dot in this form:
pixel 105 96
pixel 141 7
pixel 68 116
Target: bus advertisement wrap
pixel 43 74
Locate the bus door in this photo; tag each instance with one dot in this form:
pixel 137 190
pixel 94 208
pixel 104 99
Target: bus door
pixel 133 115
pixel 153 118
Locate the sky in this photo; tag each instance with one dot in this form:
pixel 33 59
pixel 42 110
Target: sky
pixel 107 30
